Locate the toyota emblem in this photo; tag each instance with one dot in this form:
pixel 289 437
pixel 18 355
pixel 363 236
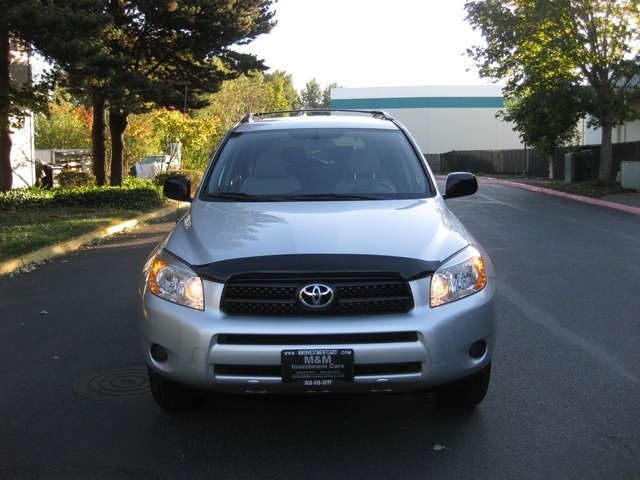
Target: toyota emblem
pixel 316 295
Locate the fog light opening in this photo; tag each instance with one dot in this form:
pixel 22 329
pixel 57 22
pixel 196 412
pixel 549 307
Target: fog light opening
pixel 158 353
pixel 478 349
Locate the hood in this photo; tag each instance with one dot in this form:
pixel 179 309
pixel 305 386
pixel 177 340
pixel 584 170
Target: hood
pixel 422 229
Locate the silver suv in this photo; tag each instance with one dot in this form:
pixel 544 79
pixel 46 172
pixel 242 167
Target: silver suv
pixel 318 255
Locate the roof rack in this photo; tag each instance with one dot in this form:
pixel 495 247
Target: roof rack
pixel 257 116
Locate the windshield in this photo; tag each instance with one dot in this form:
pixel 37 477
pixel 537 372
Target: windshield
pixel 317 164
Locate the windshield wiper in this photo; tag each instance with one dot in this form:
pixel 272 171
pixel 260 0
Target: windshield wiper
pixel 236 196
pixel 331 196
pixel 243 197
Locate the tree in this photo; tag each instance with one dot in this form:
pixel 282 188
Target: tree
pixel 44 26
pixel 238 97
pixel 311 95
pixel 64 32
pixel 172 46
pixel 546 117
pixel 537 45
pixel 150 53
pixel 141 138
pixel 326 95
pixel 541 91
pixel 7 110
pixel 193 134
pixel 609 60
pixel 314 96
pixel 256 92
pixel 65 124
pixel 284 93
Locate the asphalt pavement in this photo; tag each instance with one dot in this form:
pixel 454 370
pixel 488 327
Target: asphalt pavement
pixel 75 401
pixel 626 202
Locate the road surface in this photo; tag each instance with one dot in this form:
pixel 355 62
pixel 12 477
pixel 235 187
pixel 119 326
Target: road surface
pixel 563 403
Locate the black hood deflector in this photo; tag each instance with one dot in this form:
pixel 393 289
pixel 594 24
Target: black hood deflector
pixel 317 264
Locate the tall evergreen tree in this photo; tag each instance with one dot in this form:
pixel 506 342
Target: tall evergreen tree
pixel 6 108
pixel 54 28
pixel 175 47
pixel 64 32
pixel 142 53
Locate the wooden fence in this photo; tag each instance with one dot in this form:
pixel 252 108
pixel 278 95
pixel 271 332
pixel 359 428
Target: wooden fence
pixel 519 162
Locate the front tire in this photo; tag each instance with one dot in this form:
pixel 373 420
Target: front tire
pixel 467 392
pixel 173 396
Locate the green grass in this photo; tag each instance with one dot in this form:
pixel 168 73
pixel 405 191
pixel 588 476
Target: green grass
pixel 26 231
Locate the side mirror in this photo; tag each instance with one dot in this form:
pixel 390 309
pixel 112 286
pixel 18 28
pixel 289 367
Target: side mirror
pixel 460 184
pixel 177 188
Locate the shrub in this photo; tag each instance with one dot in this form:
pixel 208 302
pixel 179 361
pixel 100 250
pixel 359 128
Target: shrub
pixel 135 182
pixel 138 195
pixel 25 198
pixel 69 179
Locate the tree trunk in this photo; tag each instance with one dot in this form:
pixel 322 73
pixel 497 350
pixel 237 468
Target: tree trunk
pixel 551 158
pixel 6 172
pixel 99 141
pixel 606 152
pixel 117 125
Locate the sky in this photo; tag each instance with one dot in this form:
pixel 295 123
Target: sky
pixel 370 43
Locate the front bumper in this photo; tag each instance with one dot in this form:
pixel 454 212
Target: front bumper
pixel 416 351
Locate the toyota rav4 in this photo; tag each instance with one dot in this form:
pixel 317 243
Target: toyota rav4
pixel 318 255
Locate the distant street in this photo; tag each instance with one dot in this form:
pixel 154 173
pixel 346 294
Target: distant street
pixel 563 402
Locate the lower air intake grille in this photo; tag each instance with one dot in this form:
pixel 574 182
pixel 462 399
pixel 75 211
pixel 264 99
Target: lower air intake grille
pixel 327 339
pixel 257 371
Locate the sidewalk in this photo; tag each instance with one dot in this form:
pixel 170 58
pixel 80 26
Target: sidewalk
pixel 626 202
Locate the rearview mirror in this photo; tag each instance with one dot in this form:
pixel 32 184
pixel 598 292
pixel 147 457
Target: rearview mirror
pixel 177 188
pixel 460 184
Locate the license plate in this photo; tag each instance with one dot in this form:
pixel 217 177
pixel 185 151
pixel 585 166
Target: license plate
pixel 317 367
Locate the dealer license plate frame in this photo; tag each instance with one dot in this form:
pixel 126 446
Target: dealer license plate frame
pixel 318 366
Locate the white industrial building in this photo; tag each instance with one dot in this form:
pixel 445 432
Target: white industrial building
pixel 447 118
pixel 440 118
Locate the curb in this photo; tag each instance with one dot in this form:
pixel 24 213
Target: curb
pixel 577 198
pixel 47 253
pixel 548 191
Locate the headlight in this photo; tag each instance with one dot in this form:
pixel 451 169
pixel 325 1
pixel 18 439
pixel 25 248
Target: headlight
pixel 462 275
pixel 171 279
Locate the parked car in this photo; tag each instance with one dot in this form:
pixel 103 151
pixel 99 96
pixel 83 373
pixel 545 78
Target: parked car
pixel 318 255
pixel 151 165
